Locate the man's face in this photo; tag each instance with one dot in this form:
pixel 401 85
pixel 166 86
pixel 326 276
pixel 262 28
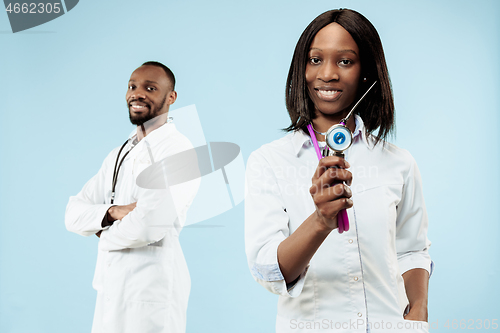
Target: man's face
pixel 149 94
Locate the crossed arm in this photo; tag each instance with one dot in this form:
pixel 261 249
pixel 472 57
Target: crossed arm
pixel 115 213
pixel 137 224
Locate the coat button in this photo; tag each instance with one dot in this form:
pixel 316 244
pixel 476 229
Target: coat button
pixel 350 241
pixel 360 314
pixel 355 278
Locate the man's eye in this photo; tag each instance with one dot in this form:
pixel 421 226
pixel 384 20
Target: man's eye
pixel 131 87
pixel 314 61
pixel 151 88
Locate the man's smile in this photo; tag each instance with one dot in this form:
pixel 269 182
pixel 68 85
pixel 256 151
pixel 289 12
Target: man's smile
pixel 137 106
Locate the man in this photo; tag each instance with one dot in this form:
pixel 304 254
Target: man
pixel 141 277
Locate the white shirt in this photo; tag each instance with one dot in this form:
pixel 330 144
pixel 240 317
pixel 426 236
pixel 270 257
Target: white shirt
pixel 354 277
pixel 141 275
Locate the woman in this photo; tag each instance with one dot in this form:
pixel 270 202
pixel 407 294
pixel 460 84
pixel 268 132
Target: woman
pixel 368 277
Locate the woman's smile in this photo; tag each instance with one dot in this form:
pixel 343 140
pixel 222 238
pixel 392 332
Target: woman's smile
pixel 328 94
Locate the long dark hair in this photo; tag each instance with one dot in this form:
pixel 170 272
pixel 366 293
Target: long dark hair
pixel 377 109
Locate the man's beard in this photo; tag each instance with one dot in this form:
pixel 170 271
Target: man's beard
pixel 142 118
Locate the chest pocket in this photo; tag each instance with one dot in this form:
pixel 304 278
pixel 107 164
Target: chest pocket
pixel 141 162
pixel 376 210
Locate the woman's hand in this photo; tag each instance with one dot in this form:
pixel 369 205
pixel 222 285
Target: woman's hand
pixel 417 312
pixel 295 252
pixel 417 286
pixel 329 193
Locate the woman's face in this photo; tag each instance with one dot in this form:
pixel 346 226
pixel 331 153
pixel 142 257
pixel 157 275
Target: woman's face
pixel 333 71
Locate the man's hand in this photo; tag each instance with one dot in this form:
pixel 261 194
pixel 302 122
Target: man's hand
pixel 117 213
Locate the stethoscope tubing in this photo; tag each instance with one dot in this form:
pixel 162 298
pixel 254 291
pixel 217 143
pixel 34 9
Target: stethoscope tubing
pixel 116 170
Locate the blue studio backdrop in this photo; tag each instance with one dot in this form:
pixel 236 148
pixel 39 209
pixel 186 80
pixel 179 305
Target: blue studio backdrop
pixel 62 89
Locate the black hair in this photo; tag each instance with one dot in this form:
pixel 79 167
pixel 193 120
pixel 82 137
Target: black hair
pixel 377 109
pixel 167 70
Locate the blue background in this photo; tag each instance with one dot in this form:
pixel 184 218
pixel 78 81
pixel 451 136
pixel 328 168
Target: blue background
pixel 62 88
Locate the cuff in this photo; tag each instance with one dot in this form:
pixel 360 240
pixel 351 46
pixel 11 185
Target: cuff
pixel 105 223
pixel 271 278
pixel 416 260
pixel 87 221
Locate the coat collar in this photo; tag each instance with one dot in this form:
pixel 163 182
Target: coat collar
pixel 155 136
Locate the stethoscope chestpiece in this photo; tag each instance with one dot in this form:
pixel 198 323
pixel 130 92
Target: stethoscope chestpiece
pixel 338 138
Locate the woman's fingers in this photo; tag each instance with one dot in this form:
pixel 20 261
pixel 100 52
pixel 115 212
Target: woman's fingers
pixel 329 178
pixel 329 201
pixel 335 175
pixel 329 210
pixel 328 162
pixel 329 193
pixel 332 193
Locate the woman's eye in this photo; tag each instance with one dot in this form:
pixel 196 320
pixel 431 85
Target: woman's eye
pixel 131 87
pixel 314 61
pixel 151 88
pixel 345 62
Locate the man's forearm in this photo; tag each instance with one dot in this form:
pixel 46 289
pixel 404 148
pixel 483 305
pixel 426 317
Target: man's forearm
pixel 84 217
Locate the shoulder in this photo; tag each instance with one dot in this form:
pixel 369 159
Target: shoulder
pixel 397 152
pixel 280 147
pixel 172 134
pixel 170 141
pixel 395 158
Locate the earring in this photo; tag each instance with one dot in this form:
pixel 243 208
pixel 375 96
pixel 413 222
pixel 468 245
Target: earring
pixel 364 80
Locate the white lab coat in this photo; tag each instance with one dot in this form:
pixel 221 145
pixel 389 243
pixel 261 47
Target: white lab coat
pixel 141 276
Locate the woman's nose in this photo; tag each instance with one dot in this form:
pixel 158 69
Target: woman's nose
pixel 328 72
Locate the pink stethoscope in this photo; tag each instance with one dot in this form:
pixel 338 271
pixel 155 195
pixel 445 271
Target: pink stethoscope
pixel 338 138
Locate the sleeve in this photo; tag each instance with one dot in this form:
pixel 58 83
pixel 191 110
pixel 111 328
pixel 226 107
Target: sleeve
pixel 266 226
pixel 157 212
pixel 411 226
pixel 85 211
pixel 148 223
